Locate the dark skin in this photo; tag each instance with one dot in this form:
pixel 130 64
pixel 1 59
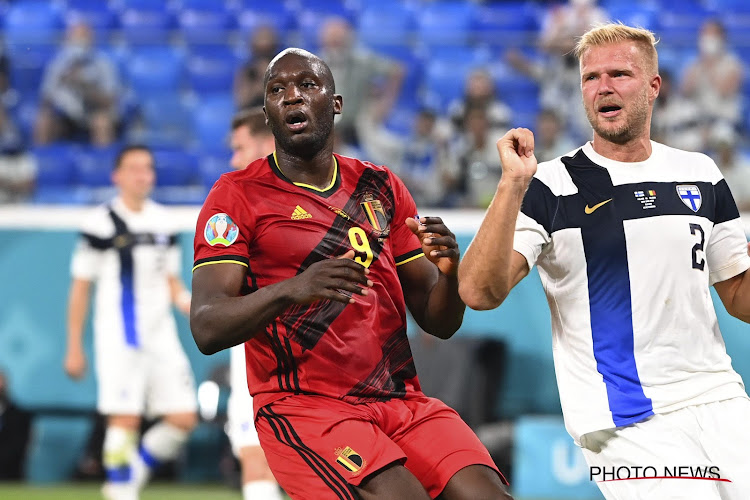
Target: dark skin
pixel 300 105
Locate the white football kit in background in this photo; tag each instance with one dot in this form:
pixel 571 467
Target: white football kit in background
pixel 240 424
pixel 140 364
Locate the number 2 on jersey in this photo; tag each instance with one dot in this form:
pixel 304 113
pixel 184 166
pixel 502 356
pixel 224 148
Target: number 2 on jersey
pixel 698 247
pixel 360 243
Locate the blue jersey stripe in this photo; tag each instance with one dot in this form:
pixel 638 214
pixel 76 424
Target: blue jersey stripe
pixel 124 241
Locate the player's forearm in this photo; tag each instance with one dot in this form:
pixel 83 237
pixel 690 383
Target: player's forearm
pixel 741 302
pixel 77 310
pixel 444 311
pixel 223 322
pixel 485 273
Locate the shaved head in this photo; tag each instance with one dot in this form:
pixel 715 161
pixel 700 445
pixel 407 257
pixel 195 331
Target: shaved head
pixel 319 65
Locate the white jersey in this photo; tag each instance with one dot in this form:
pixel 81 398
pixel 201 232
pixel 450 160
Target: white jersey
pixel 130 257
pixel 627 253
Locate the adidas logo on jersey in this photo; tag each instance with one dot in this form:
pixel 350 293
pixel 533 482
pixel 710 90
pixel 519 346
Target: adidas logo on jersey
pixel 300 213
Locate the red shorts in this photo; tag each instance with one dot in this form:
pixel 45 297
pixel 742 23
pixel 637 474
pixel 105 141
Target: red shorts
pixel 321 448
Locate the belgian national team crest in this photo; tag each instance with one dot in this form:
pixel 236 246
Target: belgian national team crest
pixel 375 214
pixel 690 196
pixel 221 230
pixel 350 460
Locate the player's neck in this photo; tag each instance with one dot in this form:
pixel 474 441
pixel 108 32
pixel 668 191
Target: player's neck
pixel 637 150
pixel 133 203
pixel 317 171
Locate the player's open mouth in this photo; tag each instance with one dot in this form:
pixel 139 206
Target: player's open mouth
pixel 609 110
pixel 296 121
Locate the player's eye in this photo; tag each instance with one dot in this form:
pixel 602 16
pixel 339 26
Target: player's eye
pixel 276 89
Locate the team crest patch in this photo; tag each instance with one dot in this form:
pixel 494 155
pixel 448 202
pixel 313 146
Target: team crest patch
pixel 375 213
pixel 221 230
pixel 350 460
pixel 690 196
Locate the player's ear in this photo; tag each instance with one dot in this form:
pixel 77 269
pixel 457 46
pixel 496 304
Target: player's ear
pixel 265 114
pixel 338 104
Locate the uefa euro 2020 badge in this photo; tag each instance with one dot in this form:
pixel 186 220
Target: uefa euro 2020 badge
pixel 221 230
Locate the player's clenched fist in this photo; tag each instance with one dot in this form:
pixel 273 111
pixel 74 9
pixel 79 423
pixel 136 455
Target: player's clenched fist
pixel 438 243
pixel 327 279
pixel 516 149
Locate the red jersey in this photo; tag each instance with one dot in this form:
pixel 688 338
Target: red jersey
pixel 276 228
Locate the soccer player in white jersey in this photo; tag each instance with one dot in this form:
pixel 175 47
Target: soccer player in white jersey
pixel 251 139
pixel 628 235
pixel 129 251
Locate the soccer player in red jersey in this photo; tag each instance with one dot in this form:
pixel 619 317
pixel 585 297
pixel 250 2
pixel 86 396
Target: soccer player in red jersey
pixel 310 259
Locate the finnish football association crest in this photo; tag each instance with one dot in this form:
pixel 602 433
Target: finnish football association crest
pixel 690 196
pixel 350 460
pixel 375 214
pixel 221 230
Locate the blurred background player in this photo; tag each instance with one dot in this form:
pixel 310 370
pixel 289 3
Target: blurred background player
pixel 251 139
pixel 128 250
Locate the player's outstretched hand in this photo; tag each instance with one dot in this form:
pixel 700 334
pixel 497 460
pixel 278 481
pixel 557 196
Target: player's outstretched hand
pixel 75 364
pixel 330 279
pixel 516 149
pixel 438 243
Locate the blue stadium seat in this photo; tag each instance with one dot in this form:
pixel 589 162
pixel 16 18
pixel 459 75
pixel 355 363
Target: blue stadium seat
pixel 413 65
pixel 27 65
pixel 217 5
pixel 636 15
pixel 148 24
pixel 212 69
pixel 179 195
pixel 386 27
pixel 205 25
pixel 212 165
pixel 102 20
pixel 156 70
pixel 164 121
pixel 54 165
pixel 33 21
pixel 94 166
pixel 680 22
pixel 503 25
pixel 175 167
pixel 448 23
pixel 444 81
pixel 211 121
pixel 255 13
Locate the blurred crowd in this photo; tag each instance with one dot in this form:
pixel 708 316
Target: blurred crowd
pixel 435 126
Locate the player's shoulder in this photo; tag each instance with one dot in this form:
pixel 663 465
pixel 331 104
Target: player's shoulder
pixel 554 175
pixel 359 167
pixel 97 221
pixel 691 165
pixel 255 171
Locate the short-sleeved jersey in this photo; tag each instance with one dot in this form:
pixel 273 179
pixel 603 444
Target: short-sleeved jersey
pixel 627 253
pixel 130 257
pixel 258 218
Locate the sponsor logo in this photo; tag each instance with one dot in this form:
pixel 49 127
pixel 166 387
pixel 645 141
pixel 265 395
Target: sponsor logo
pixel 690 196
pixel 350 460
pixel 300 213
pixel 221 230
pixel 590 210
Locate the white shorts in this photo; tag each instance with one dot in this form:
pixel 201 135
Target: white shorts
pixel 689 442
pixel 145 382
pixel 240 425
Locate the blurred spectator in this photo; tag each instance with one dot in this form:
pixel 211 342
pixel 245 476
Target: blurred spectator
pixel 480 92
pixel 80 93
pixel 17 167
pixel 15 426
pixel 478 166
pixel 734 166
pixel 424 159
pixel 248 81
pixel 676 120
pixel 558 75
pixel 550 139
pixel 714 80
pixel 366 80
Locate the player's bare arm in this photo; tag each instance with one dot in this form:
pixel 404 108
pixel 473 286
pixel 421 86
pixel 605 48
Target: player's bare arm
pixel 431 285
pixel 220 317
pixel 179 295
pixel 735 295
pixel 78 304
pixel 491 268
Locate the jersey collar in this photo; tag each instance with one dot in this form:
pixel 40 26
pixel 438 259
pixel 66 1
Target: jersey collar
pixel 324 192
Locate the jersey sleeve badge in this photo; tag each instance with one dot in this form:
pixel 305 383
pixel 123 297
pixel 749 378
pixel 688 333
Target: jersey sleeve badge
pixel 221 230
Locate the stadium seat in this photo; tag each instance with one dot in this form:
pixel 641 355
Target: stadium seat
pixel 97 15
pixel 163 121
pixel 156 70
pixel 93 166
pixel 448 23
pixel 148 24
pixel 386 27
pixel 504 25
pixel 211 69
pixel 205 25
pixel 212 165
pixel 33 21
pixel 211 121
pixel 636 15
pixel 175 167
pixel 27 64
pixel 54 165
pixel 252 14
pixel 413 66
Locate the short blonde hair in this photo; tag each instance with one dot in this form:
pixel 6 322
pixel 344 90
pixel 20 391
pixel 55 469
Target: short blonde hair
pixel 606 34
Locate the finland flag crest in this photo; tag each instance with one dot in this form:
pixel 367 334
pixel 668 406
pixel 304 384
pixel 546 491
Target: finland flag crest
pixel 690 196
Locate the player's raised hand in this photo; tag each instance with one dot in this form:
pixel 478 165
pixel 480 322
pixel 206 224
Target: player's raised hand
pixel 438 243
pixel 75 363
pixel 330 279
pixel 516 149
